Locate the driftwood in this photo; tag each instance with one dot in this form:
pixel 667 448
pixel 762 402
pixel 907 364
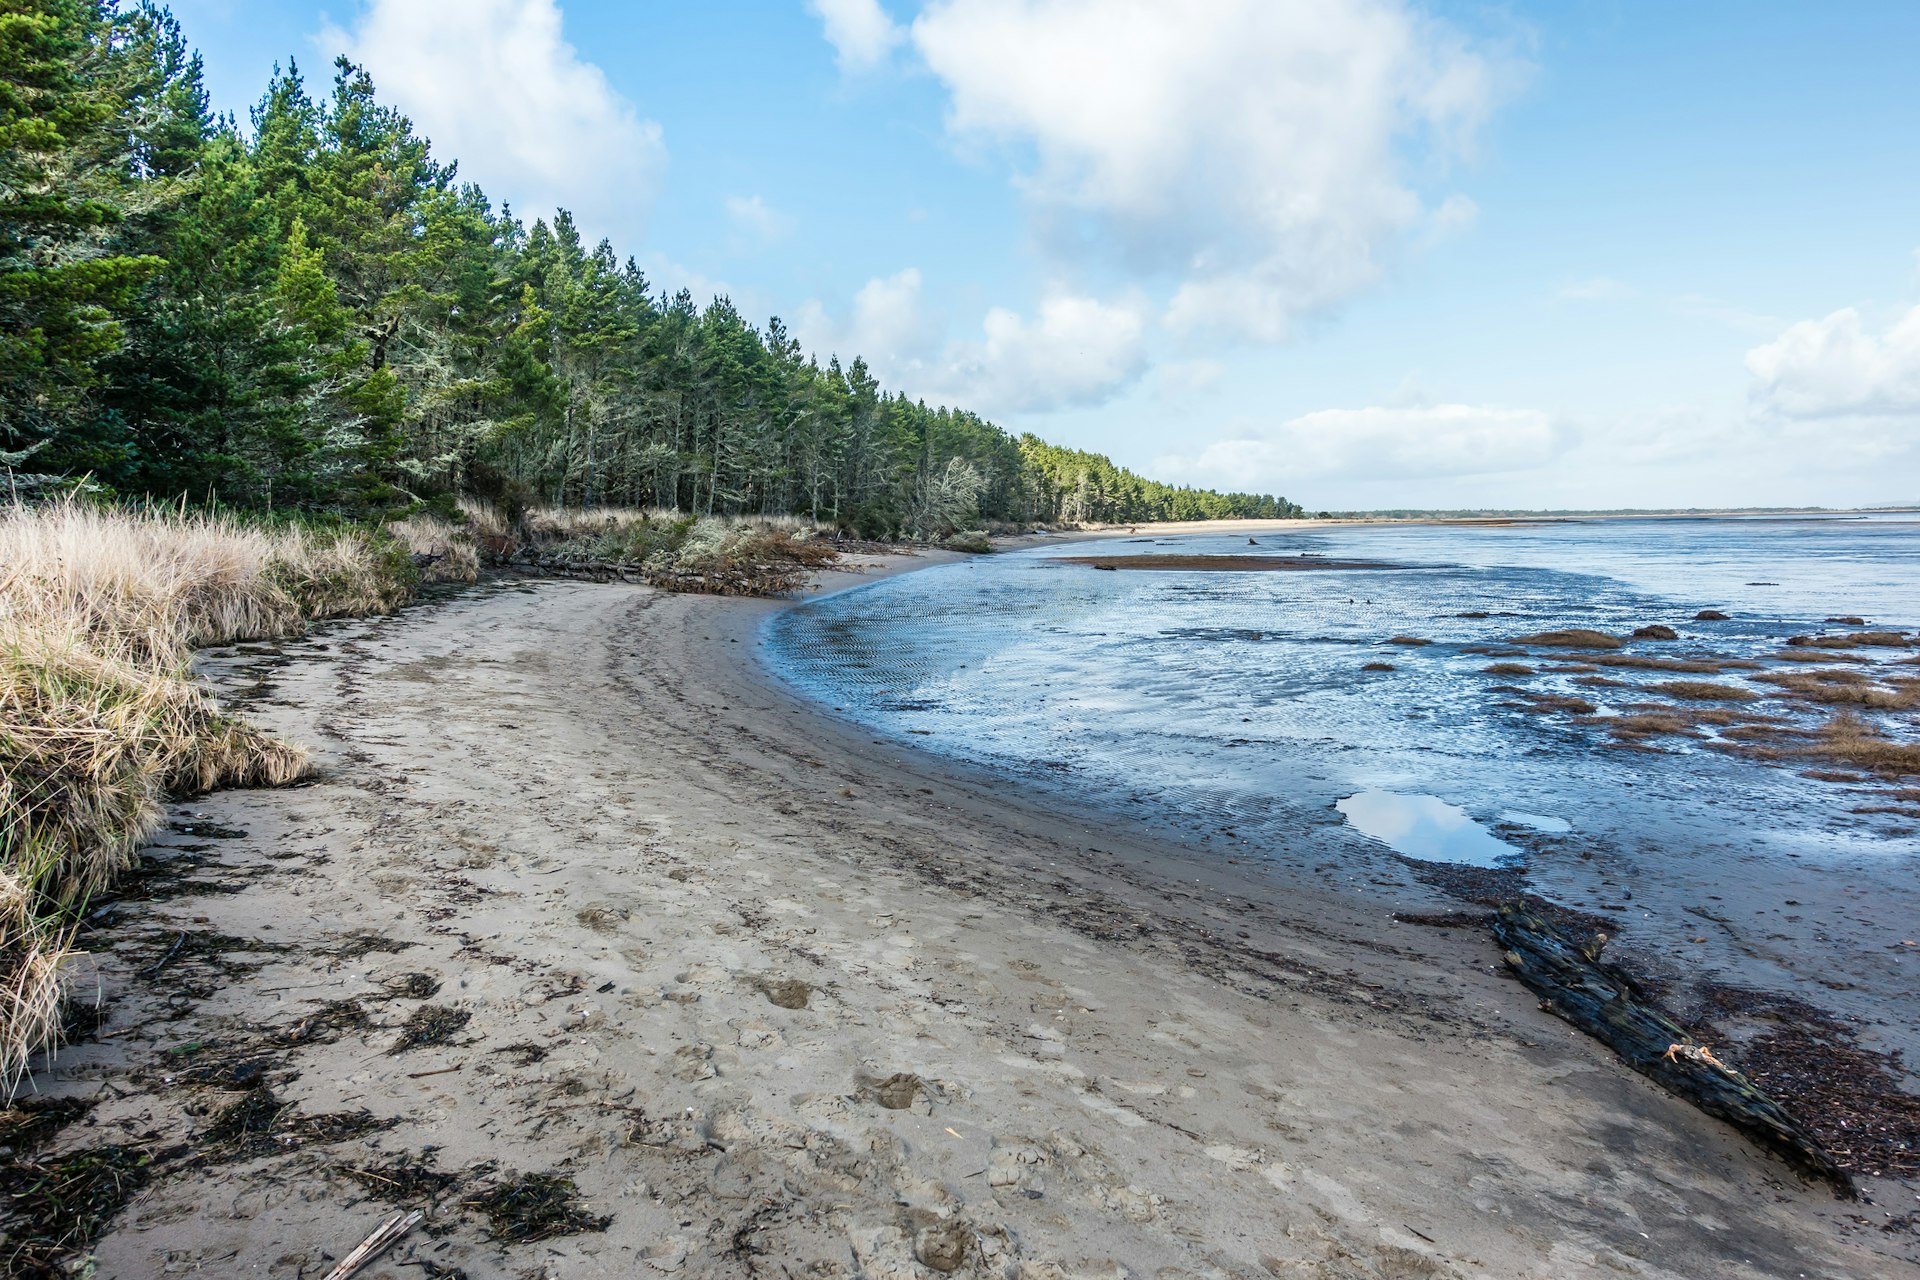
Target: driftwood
pixel 374 1245
pixel 1606 1003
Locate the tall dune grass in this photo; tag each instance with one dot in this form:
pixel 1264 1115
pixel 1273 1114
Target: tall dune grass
pixel 443 552
pixel 100 720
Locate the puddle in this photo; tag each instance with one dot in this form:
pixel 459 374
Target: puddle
pixel 1538 822
pixel 1427 828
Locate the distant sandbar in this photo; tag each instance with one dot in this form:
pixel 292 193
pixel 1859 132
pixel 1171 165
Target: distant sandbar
pixel 1228 564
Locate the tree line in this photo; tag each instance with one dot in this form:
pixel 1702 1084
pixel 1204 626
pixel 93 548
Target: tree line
pixel 312 313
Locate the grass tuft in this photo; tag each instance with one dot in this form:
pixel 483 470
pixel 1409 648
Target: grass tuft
pixel 1572 638
pixel 1702 691
pixel 100 719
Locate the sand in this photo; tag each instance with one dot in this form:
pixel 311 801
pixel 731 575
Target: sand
pixel 781 1000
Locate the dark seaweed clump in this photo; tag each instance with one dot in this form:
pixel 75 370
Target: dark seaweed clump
pixel 430 1024
pixel 535 1206
pixel 56 1208
pixel 403 1180
pixel 1853 1099
pixel 260 1123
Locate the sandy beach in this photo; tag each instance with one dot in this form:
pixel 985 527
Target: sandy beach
pixel 581 891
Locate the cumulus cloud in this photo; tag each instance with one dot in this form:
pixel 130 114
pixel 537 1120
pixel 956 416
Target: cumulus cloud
pixel 1251 152
pixel 1375 443
pixel 1840 367
pixel 757 221
pixel 495 85
pixel 889 326
pixel 1075 350
pixel 860 31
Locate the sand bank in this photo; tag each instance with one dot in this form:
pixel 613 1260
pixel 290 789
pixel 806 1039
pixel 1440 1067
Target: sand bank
pixel 782 1000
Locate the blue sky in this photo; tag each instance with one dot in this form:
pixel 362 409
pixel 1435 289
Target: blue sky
pixel 1360 252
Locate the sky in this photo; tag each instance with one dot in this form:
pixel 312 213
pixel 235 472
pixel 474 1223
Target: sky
pixel 1363 253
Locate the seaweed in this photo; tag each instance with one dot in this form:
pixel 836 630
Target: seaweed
pixel 404 1181
pixel 26 1126
pixel 430 1024
pixel 411 986
pixel 261 1123
pixel 1853 1099
pixel 526 1053
pixel 329 1021
pixel 535 1206
pixel 56 1208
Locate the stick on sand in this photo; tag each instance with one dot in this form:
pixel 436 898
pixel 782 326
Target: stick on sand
pixel 376 1244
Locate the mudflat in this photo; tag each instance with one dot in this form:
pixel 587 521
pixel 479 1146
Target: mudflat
pixel 1225 563
pixel 619 959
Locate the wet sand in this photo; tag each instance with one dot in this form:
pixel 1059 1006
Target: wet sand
pixel 1226 564
pixel 784 1000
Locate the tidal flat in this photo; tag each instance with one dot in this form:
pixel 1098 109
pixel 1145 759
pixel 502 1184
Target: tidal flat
pixel 718 975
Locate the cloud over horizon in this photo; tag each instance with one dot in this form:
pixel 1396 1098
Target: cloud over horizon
pixel 1374 443
pixel 1838 366
pixel 495 85
pixel 1075 350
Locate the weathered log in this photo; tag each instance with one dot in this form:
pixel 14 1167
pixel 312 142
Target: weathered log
pixel 1605 1002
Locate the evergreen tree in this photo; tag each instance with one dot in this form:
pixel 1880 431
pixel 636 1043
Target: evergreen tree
pixel 313 313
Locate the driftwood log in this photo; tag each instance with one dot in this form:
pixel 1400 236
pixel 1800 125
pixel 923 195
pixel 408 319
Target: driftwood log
pixel 1606 1003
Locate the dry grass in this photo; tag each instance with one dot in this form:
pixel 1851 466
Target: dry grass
pixel 1853 640
pixel 100 611
pixel 1544 703
pixel 721 555
pixel 1650 724
pixel 1691 666
pixel 1852 741
pixel 1838 687
pixel 1702 691
pixel 1817 655
pixel 1572 638
pixel 441 551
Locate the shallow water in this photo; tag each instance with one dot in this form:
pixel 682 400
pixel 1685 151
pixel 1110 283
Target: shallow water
pixel 1235 698
pixel 1233 707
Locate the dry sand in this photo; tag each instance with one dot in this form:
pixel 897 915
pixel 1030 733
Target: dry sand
pixel 785 1001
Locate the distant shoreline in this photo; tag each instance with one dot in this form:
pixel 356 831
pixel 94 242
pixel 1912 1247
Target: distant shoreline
pixel 1491 519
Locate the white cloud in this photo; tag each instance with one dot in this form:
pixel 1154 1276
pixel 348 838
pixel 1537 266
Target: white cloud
pixel 1839 367
pixel 496 86
pixel 890 327
pixel 1076 350
pixel 860 31
pixel 756 220
pixel 1377 443
pixel 1248 151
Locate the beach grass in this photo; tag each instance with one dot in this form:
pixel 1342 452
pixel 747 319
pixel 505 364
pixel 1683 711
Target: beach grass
pixel 100 719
